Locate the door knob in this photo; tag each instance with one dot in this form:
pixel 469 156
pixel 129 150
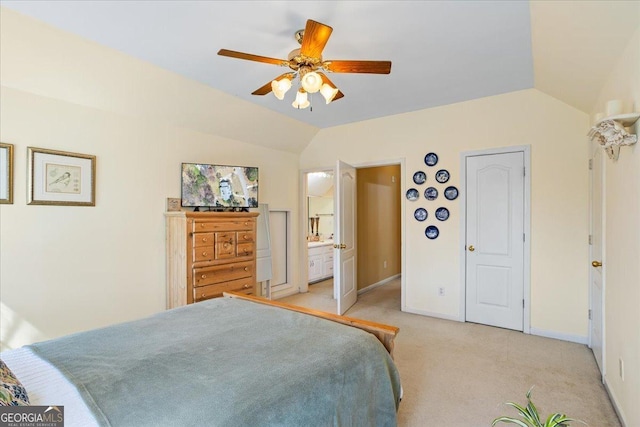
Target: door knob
pixel 596 264
pixel 471 248
pixel 340 246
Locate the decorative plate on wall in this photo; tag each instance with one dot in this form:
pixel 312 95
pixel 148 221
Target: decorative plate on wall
pixel 420 214
pixel 451 193
pixel 419 177
pixel 431 159
pixel 442 176
pixel 412 194
pixel 431 232
pixel 431 193
pixel 442 214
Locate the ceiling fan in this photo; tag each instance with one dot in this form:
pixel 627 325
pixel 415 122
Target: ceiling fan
pixel 308 65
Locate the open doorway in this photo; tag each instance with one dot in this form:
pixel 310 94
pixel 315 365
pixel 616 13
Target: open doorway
pixel 378 218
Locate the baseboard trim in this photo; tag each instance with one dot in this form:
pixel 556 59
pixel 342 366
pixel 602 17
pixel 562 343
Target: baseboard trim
pixel 614 402
pixel 560 336
pixel 378 284
pixel 431 314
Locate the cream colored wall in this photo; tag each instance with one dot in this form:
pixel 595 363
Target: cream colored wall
pixel 559 213
pixel 622 245
pixel 66 269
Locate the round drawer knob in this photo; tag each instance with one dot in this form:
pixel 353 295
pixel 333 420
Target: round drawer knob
pixel 201 225
pixel 246 223
pixel 246 237
pixel 246 286
pixel 204 254
pixel 246 269
pixel 204 239
pixel 226 245
pixel 204 276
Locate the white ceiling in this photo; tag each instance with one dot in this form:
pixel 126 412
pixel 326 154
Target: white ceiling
pixel 442 51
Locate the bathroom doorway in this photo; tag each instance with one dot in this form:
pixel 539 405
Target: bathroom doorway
pixel 379 218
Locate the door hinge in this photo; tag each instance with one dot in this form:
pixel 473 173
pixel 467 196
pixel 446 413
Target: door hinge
pixel 524 171
pixel 590 239
pixel 523 238
pixel 522 303
pixel 589 314
pixel 590 164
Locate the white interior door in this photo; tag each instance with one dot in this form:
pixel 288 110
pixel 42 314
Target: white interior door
pixel 495 240
pixel 344 270
pixel 596 333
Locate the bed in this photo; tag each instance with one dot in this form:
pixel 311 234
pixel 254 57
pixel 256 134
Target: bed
pixel 232 361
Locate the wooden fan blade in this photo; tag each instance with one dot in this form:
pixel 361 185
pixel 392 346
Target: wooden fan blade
pixel 371 67
pixel 338 96
pixel 267 88
pixel 250 57
pixel 315 38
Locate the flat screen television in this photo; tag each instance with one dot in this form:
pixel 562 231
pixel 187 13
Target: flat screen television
pixel 219 186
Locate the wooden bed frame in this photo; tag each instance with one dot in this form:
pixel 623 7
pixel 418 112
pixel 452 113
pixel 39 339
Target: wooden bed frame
pixel 385 333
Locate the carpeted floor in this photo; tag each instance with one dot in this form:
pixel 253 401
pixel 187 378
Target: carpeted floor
pixel 459 374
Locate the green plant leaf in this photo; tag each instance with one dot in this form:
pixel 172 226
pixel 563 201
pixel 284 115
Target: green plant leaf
pixel 510 420
pixel 524 413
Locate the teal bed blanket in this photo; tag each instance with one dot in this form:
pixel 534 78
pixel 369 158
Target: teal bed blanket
pixel 229 362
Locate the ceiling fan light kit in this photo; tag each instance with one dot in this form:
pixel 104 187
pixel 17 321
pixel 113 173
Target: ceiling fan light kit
pixel 307 64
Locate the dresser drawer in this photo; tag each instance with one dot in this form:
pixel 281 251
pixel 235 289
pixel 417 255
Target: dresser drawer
pixel 225 245
pixel 246 249
pixel 245 286
pixel 231 225
pixel 202 239
pixel 221 273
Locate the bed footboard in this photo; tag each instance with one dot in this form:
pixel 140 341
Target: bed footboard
pixel 385 333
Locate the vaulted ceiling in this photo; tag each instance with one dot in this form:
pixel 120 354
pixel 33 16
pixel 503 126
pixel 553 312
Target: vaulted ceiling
pixel 442 52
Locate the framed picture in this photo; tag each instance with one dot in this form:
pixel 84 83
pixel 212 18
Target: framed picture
pixel 6 173
pixel 61 178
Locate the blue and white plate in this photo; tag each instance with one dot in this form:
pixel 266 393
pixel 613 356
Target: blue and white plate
pixel 431 193
pixel 419 177
pixel 431 232
pixel 412 194
pixel 420 214
pixel 442 214
pixel 451 193
pixel 442 176
pixel 431 159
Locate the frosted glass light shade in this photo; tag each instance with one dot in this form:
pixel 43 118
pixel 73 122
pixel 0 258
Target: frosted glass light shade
pixel 311 82
pixel 280 87
pixel 301 100
pixel 328 92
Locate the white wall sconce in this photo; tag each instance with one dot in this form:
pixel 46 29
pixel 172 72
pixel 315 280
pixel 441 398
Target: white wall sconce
pixel 610 131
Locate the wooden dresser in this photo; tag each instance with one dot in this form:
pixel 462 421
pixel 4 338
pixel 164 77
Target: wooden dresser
pixel 209 253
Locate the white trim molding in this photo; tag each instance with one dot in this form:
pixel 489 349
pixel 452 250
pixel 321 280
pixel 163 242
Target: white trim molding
pixel 378 284
pixel 580 339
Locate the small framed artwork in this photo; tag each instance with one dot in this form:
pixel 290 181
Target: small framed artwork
pixel 419 177
pixel 442 214
pixel 431 159
pixel 442 176
pixel 6 173
pixel 61 178
pixel 431 193
pixel 451 193
pixel 420 214
pixel 412 194
pixel 431 232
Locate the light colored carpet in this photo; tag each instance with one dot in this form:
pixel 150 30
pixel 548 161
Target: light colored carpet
pixel 459 374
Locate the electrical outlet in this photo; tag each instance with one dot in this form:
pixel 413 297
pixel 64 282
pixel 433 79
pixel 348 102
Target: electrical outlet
pixel 441 292
pixel 621 362
pixel 384 264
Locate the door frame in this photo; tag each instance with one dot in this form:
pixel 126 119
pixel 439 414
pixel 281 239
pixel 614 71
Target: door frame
pixel 603 239
pixel 526 150
pixel 304 217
